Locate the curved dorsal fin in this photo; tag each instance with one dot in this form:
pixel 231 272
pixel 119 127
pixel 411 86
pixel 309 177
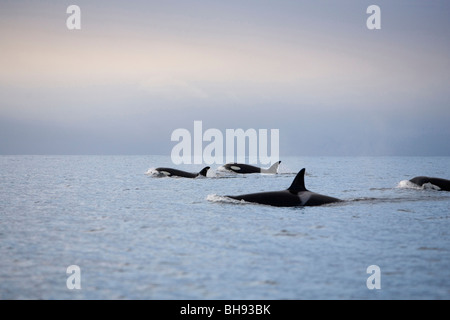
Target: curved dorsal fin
pixel 299 182
pixel 273 168
pixel 204 172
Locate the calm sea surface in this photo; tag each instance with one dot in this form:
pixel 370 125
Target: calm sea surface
pixel 136 236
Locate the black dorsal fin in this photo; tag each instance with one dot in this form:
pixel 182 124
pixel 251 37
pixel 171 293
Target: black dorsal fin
pixel 299 182
pixel 204 171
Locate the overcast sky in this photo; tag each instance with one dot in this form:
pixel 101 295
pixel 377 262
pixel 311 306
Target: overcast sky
pixel 138 70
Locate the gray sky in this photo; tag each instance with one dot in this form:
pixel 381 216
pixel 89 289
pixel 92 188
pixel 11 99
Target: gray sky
pixel 138 70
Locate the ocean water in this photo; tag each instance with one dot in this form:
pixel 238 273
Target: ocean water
pixel 136 236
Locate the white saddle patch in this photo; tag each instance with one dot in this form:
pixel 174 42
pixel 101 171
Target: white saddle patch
pixel 304 197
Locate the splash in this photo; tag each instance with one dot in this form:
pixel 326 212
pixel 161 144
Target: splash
pixel 406 184
pixel 152 172
pixel 221 199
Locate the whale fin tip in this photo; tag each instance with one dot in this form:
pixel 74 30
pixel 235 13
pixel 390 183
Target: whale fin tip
pixel 299 182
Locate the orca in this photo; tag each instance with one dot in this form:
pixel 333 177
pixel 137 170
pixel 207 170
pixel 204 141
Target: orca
pixel 295 196
pixel 443 184
pixel 246 168
pixel 169 172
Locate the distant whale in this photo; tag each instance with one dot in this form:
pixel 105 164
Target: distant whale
pixel 246 168
pixel 295 195
pixel 443 184
pixel 169 172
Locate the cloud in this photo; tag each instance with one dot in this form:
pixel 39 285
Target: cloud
pixel 280 64
pixel 170 88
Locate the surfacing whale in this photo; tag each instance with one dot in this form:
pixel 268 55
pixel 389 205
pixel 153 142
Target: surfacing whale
pixel 442 184
pixel 169 172
pixel 295 195
pixel 246 168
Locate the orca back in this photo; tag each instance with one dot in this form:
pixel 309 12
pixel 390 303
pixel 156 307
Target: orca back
pixel 443 184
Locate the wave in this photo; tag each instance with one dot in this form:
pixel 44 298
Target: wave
pixel 220 199
pixel 223 199
pixel 373 200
